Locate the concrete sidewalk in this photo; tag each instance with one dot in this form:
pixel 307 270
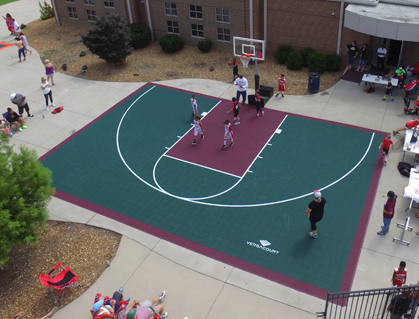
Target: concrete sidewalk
pixel 198 286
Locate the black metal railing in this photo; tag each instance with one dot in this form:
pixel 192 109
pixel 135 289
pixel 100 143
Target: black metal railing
pixel 365 304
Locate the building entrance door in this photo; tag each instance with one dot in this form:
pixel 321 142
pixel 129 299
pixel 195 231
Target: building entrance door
pixel 393 53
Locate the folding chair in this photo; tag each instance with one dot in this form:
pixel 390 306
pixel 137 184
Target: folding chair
pixel 60 283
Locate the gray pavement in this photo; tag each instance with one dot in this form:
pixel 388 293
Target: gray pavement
pixel 199 286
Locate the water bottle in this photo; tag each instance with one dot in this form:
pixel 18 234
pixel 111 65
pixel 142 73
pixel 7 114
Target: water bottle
pixel 43 116
pixel 108 263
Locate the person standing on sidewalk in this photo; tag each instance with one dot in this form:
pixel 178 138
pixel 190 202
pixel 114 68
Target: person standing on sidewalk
pixel 381 57
pixel 315 211
pixel 242 84
pixel 399 275
pixel 352 50
pixel 20 48
pixel 389 91
pixel 47 92
pixel 388 212
pixel 20 100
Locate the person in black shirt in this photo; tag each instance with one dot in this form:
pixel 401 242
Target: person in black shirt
pixel 389 91
pixel 315 211
pixel 400 304
pixel 14 119
pixel 352 53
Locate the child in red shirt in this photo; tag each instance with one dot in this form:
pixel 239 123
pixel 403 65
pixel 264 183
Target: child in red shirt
pixel 399 275
pixel 281 85
pixel 385 143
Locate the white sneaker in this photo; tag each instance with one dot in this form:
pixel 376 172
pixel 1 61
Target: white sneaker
pixel 47 108
pixel 164 314
pixel 52 104
pixel 163 294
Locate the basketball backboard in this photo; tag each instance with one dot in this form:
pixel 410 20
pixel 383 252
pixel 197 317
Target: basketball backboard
pixel 253 46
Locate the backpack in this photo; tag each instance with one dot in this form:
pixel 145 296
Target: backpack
pixel 404 168
pixel 370 90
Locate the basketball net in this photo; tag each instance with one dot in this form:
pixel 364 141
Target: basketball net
pixel 245 58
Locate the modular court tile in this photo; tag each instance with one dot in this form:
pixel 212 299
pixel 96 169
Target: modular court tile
pixel 254 219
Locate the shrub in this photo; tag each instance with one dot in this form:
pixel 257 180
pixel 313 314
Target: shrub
pixel 47 12
pixel 333 62
pixel 204 45
pixel 109 39
pixel 316 62
pixel 304 54
pixel 171 43
pixel 140 35
pixel 294 61
pixel 281 54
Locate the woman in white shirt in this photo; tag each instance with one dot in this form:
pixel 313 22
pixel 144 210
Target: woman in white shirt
pixel 47 92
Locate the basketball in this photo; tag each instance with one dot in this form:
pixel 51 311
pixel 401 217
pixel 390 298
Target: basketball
pixel 229 63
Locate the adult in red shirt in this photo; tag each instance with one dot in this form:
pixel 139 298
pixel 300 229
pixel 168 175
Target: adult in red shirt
pixel 411 87
pixel 409 125
pixel 385 144
pixel 399 275
pixel 388 212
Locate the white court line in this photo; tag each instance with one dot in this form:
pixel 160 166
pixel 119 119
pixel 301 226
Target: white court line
pixel 226 205
pixel 206 167
pixel 197 199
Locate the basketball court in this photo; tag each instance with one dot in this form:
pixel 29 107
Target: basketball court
pixel 243 205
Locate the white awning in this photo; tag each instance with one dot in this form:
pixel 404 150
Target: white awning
pixel 391 21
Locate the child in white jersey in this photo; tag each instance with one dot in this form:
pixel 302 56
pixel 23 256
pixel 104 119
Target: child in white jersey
pixel 198 128
pixel 194 105
pixel 228 133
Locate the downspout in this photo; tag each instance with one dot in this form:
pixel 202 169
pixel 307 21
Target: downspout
pixel 57 18
pixel 129 11
pixel 251 18
pixel 340 28
pixel 149 19
pixel 265 22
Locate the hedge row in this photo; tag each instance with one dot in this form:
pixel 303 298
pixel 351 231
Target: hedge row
pixel 316 62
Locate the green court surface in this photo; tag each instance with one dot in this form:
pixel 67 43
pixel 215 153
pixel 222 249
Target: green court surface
pixel 255 222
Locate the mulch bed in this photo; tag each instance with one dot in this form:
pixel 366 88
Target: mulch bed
pixel 84 249
pixel 63 45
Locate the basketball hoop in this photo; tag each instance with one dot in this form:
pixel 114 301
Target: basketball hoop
pixel 245 58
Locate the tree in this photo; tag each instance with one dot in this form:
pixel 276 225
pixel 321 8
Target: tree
pixel 109 38
pixel 24 194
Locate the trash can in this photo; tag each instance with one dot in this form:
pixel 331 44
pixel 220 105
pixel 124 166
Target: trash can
pixel 314 82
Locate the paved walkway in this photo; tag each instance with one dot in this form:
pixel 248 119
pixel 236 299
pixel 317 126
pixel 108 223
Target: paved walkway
pixel 199 286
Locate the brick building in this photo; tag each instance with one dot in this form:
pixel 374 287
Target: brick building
pixel 325 25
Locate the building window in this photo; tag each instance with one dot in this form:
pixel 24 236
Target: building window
pixel 172 27
pixel 89 2
pixel 72 13
pixel 69 1
pixel 91 15
pixel 170 8
pixel 197 30
pixel 222 15
pixel 195 12
pixel 223 34
pixel 109 4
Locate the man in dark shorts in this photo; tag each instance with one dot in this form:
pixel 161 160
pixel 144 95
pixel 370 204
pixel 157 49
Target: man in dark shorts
pixel 352 50
pixel 235 109
pixel 20 100
pixel 315 210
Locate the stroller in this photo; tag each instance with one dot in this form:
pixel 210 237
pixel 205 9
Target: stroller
pixel 122 305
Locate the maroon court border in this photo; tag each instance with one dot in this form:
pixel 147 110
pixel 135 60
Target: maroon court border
pixel 298 285
pixel 4 45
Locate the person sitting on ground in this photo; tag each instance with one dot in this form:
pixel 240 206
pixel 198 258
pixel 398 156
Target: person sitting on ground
pixel 48 315
pixel 14 119
pixel 145 309
pixel 411 87
pixel 102 310
pixel 409 125
pixel 4 127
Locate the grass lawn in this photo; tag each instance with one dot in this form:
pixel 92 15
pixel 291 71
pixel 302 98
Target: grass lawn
pixel 5 1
